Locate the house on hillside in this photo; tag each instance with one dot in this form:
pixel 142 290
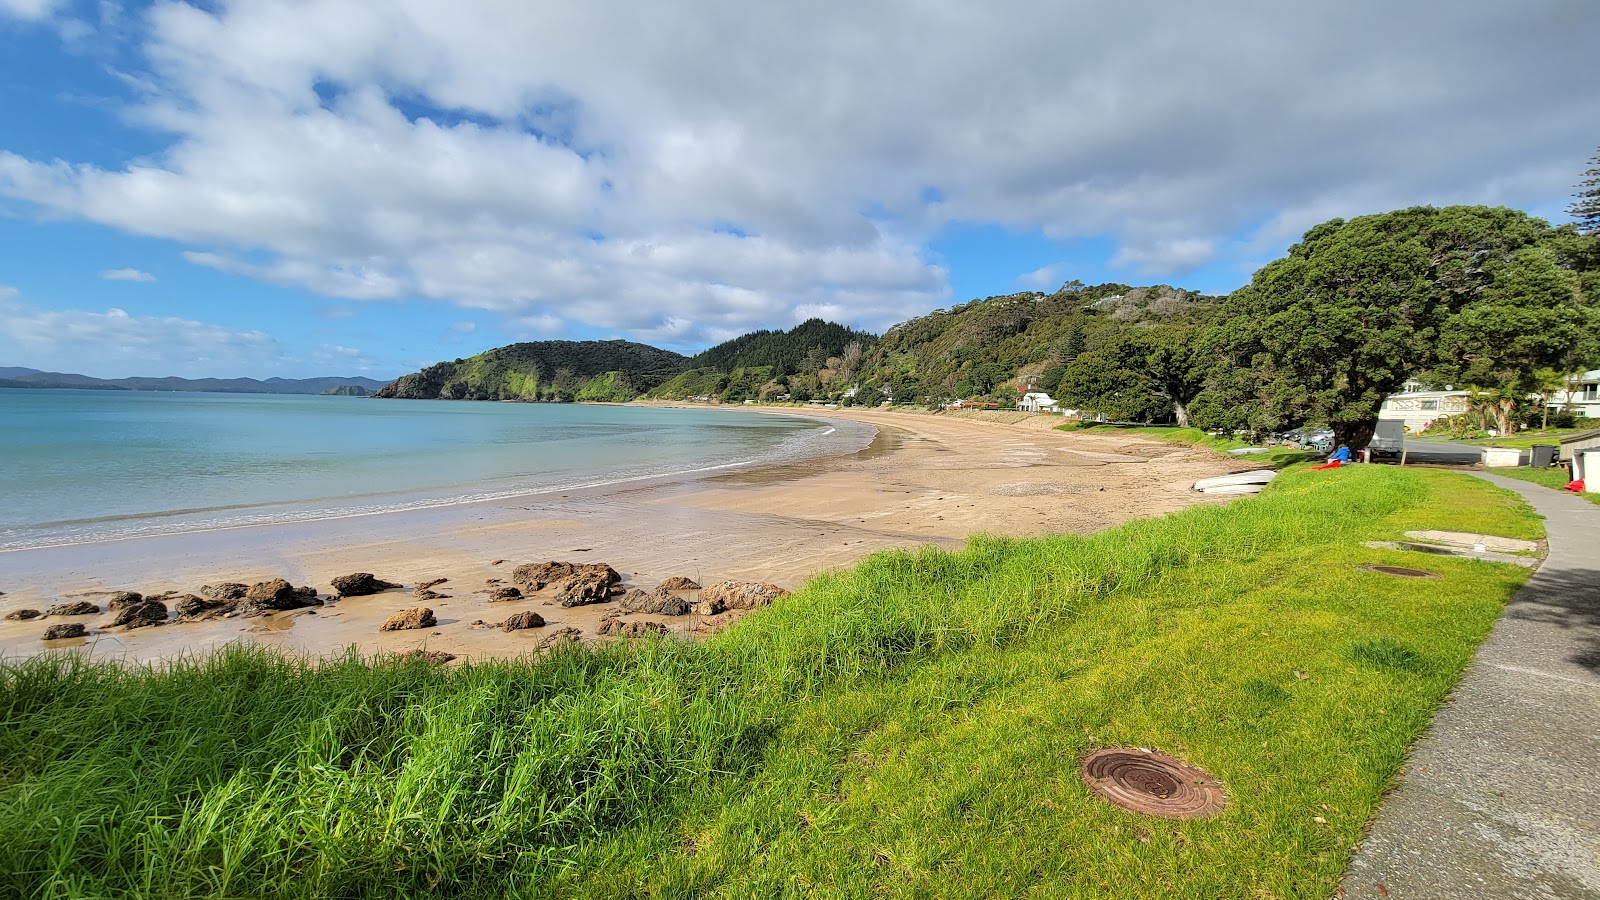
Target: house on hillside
pixel 1038 402
pixel 1582 396
pixel 1418 408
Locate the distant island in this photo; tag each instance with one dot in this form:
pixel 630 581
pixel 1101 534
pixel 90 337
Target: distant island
pixel 20 377
pixel 347 390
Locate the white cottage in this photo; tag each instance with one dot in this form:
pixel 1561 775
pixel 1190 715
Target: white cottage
pixel 1582 396
pixel 1037 402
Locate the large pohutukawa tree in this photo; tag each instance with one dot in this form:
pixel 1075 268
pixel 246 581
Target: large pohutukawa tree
pixel 1140 374
pixel 1360 306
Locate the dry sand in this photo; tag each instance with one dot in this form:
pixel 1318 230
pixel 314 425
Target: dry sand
pixel 927 479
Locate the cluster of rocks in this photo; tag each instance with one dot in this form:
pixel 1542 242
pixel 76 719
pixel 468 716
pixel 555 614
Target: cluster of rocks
pixel 228 599
pixel 574 584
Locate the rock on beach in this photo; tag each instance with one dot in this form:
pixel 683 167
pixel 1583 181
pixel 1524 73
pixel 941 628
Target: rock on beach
pixel 65 630
pixel 75 608
pixel 727 595
pixel 522 620
pixel 360 584
pixel 407 619
pixel 23 615
pixel 660 603
pixel 678 583
pixel 141 615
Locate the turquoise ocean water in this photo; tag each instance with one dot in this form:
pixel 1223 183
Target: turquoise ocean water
pixel 83 466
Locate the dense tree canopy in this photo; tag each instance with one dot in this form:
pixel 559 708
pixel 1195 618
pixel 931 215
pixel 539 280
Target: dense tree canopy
pixel 1470 294
pixel 1585 208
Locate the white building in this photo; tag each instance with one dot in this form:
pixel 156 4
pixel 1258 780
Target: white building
pixel 1037 402
pixel 1583 396
pixel 1418 409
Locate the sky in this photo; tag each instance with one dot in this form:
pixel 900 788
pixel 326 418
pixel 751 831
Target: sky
pixel 342 187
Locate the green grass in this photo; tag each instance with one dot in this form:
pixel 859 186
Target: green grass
pixel 1554 478
pixel 1520 441
pixel 1274 458
pixel 907 727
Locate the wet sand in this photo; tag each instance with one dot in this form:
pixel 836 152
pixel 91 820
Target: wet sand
pixel 926 479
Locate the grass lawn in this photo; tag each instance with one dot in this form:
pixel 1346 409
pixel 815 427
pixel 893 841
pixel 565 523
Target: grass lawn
pixel 1522 440
pixel 1555 478
pixel 1275 458
pixel 909 727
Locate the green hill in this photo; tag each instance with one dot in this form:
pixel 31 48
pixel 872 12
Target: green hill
pixel 807 346
pixel 989 347
pixel 559 371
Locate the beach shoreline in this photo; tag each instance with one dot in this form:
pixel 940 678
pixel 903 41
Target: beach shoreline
pixel 925 479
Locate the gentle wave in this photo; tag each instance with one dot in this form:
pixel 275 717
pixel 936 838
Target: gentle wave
pixel 806 445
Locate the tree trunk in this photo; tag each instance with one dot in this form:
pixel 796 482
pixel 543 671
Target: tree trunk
pixel 1355 435
pixel 1182 413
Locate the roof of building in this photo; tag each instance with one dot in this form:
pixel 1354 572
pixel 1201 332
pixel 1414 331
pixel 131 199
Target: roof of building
pixel 1581 436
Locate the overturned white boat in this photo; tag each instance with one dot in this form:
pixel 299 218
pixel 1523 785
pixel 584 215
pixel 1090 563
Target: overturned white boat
pixel 1237 483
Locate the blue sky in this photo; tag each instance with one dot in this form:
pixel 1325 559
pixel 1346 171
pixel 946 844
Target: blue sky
pixel 335 187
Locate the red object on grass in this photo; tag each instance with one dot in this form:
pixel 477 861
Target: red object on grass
pixel 1576 487
pixel 1328 465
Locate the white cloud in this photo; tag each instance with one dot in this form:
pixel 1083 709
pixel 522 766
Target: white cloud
pixel 120 344
pixel 1044 278
pixel 29 10
pixel 716 166
pixel 127 275
pixel 1161 257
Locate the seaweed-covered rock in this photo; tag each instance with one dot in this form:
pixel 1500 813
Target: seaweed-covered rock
pixel 522 620
pixel 504 594
pixel 23 615
pixel 228 590
pixel 425 594
pixel 431 657
pixel 124 599
pixel 659 603
pixel 407 619
pixel 271 596
pixel 65 630
pixel 141 615
pixel 677 583
pixel 360 584
pixel 613 627
pixel 535 576
pixel 728 595
pixel 592 584
pixel 75 608
pixel 563 636
pixel 191 608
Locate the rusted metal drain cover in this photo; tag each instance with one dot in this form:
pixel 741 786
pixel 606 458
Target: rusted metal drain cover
pixel 1152 783
pixel 1399 571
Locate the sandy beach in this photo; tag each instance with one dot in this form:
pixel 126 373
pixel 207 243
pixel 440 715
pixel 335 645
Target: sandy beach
pixel 926 479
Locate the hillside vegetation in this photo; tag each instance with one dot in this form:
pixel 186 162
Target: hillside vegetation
pixel 908 727
pixel 544 370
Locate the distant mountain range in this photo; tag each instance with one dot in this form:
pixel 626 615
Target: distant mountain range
pixel 20 377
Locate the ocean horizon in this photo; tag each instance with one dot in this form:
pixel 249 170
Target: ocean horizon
pixel 80 467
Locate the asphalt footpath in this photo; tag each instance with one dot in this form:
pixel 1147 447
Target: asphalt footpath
pixel 1501 797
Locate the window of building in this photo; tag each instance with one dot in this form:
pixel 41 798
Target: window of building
pixel 1430 406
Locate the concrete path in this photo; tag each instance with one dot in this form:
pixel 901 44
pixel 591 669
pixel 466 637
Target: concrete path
pixel 1501 797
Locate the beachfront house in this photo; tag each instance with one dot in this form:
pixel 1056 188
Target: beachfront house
pixel 1582 396
pixel 1037 402
pixel 1418 408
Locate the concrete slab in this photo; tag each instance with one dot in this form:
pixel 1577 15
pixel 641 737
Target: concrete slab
pixel 1501 797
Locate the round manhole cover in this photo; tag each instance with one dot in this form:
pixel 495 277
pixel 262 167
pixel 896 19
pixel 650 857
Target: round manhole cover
pixel 1399 571
pixel 1152 783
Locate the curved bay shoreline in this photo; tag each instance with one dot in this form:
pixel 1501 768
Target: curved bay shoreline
pixel 925 479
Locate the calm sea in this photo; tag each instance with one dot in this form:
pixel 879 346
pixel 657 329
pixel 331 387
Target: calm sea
pixel 81 466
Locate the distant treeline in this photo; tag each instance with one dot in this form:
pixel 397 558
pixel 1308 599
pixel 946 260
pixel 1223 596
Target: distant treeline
pixel 1480 297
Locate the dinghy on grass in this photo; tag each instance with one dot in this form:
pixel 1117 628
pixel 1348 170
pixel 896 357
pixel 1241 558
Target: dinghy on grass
pixel 1237 483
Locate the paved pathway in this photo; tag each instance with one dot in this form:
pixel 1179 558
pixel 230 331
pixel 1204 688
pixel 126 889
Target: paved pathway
pixel 1501 797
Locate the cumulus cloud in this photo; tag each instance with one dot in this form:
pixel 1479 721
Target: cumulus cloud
pixel 28 10
pixel 121 344
pixel 712 166
pixel 1043 278
pixel 127 275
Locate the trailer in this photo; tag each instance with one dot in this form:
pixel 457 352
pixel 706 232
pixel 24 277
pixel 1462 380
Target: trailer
pixel 1389 439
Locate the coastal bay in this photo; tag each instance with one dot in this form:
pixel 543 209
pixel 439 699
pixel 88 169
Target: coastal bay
pixel 925 479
